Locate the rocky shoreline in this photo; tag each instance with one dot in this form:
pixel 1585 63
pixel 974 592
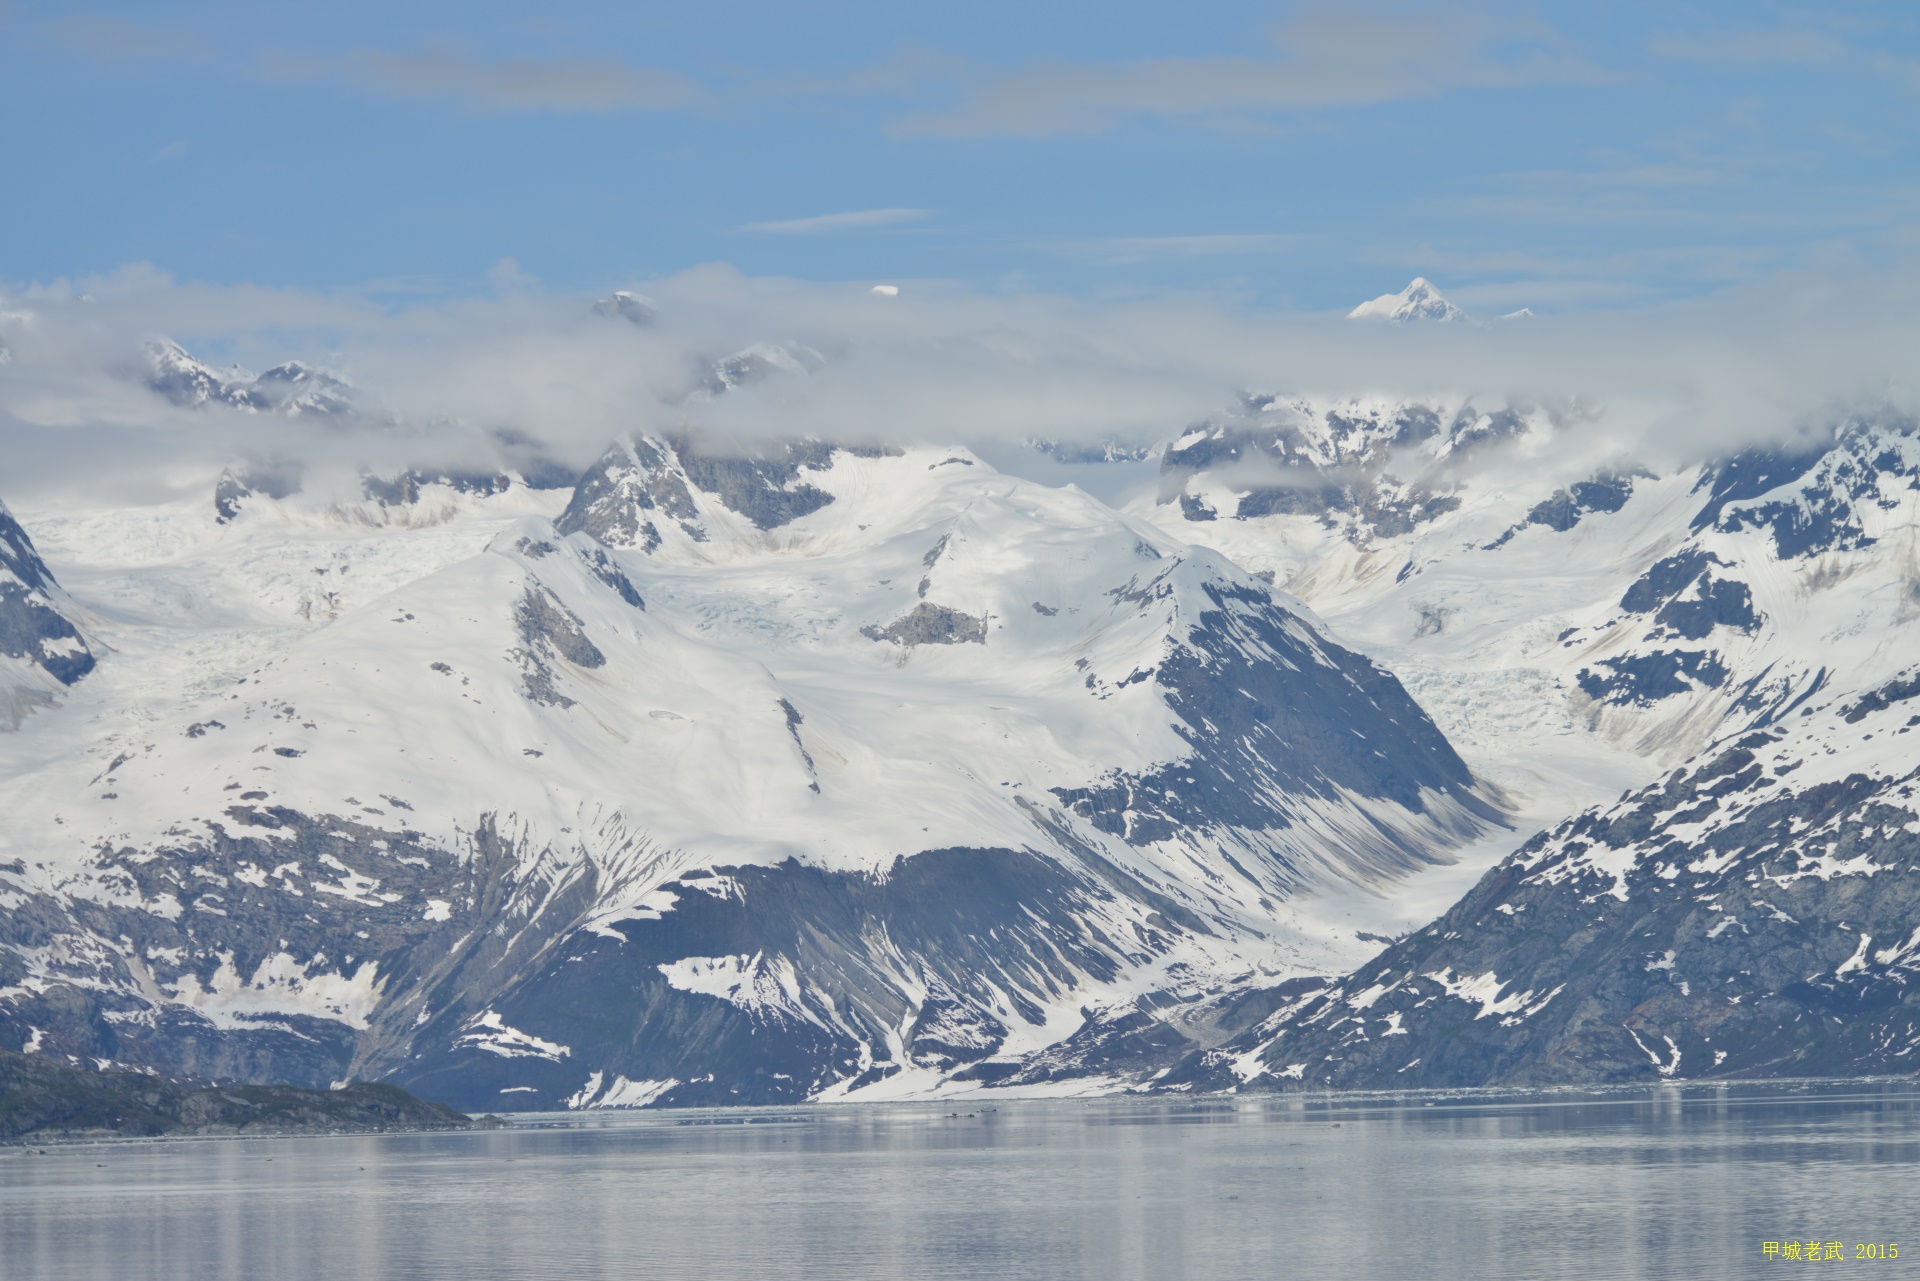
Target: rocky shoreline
pixel 41 1098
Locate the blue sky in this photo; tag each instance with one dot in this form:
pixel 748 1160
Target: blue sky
pixel 1561 157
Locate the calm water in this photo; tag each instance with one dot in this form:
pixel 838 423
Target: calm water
pixel 1676 1182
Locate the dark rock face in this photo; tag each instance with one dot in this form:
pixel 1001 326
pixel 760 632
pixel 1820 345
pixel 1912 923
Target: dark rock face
pixel 32 628
pixel 1274 715
pixel 764 486
pixel 1827 483
pixel 1565 508
pixel 549 631
pixel 41 1098
pixel 769 984
pixel 1730 921
pixel 264 895
pixel 1898 690
pixel 1687 602
pixel 928 624
pixel 1644 679
pixel 612 500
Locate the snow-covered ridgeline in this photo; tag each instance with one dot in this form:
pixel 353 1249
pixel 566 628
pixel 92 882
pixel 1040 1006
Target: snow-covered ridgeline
pixel 498 749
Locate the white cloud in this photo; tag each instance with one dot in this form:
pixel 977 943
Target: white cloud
pixel 933 364
pixel 1123 250
pixel 118 39
pixel 1328 57
pixel 1752 47
pixel 561 85
pixel 828 224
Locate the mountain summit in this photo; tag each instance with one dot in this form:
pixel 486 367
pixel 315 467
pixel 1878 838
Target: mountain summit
pixel 1418 301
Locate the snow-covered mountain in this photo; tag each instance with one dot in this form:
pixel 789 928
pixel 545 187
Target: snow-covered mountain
pixel 291 388
pixel 1731 642
pixel 1418 301
pixel 751 771
pixel 1563 633
pixel 740 776
pixel 1755 913
pixel 42 652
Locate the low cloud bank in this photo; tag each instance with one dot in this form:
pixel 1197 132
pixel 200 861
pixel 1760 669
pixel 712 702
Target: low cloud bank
pixel 465 384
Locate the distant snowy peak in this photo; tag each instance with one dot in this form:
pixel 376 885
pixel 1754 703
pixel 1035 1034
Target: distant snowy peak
pixel 634 308
pixel 1418 301
pixel 292 388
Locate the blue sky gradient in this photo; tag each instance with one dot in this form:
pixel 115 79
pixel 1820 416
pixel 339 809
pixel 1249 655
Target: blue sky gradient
pixel 1561 157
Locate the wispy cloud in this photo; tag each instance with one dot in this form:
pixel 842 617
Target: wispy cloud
pixel 1752 47
pixel 932 366
pixel 828 224
pixel 98 36
pixel 1327 57
pixel 1125 250
pixel 562 85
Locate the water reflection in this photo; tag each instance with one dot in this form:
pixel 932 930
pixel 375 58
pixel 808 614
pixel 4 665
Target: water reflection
pixel 1672 1182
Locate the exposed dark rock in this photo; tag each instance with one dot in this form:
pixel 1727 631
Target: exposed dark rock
pixel 1828 483
pixel 404 490
pixel 612 498
pixel 992 932
pixel 549 629
pixel 602 567
pixel 764 485
pixel 1721 923
pixel 1714 602
pixel 1898 690
pixel 929 624
pixel 32 628
pixel 1644 679
pixel 1565 508
pixel 1274 714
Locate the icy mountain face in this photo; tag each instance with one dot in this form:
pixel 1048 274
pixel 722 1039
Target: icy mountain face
pixel 41 651
pixel 292 388
pixel 1419 301
pixel 1571 636
pixel 1754 914
pixel 752 776
pixel 1748 914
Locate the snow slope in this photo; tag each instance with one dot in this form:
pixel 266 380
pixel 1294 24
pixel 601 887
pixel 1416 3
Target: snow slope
pixel 1572 639
pixel 740 777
